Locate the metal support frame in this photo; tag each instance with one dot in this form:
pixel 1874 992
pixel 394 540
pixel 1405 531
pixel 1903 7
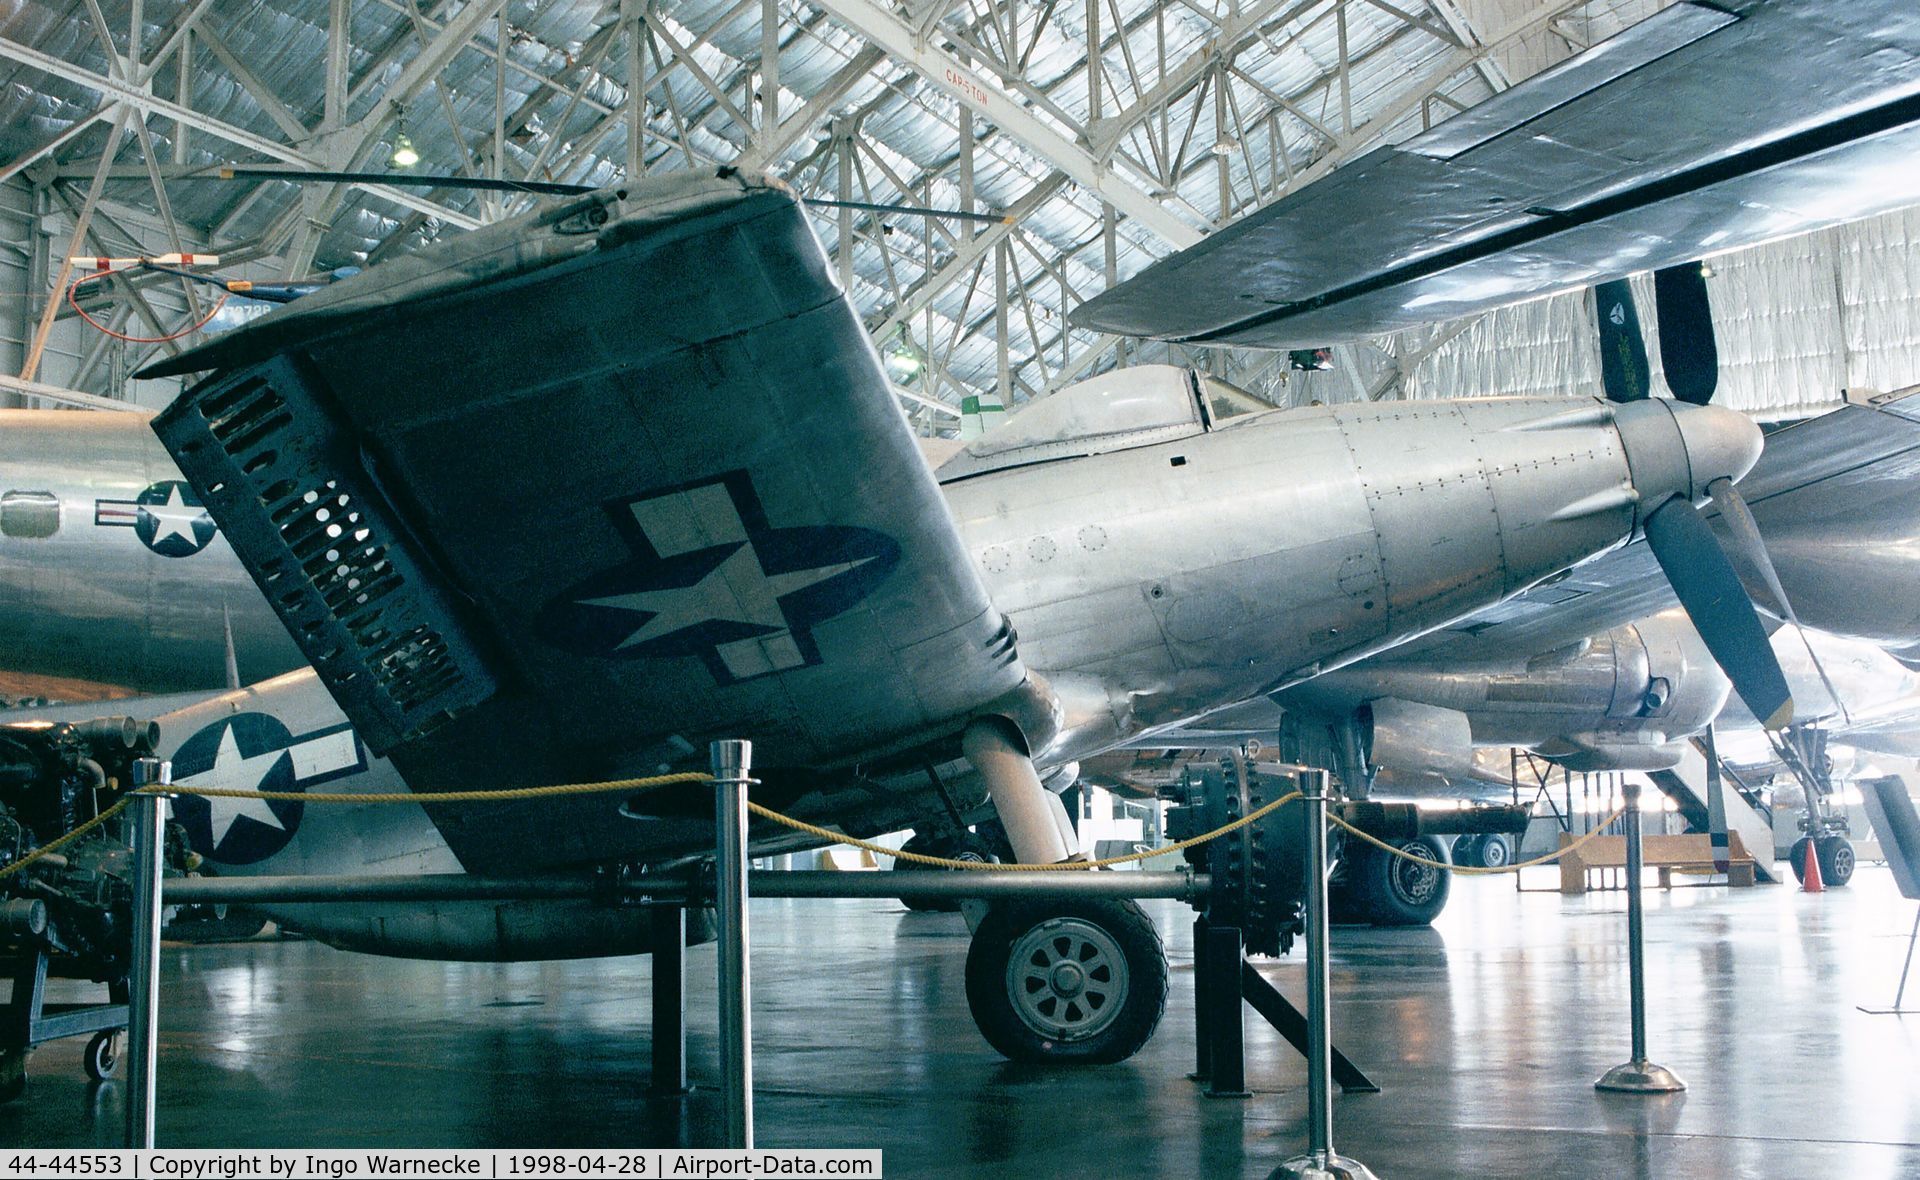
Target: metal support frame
pixel 1221 1016
pixel 1321 1161
pixel 669 1077
pixel 1181 885
pixel 1906 966
pixel 731 762
pixel 1223 979
pixel 1638 1075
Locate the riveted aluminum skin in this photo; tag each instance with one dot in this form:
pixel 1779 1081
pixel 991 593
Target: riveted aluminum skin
pixel 1230 564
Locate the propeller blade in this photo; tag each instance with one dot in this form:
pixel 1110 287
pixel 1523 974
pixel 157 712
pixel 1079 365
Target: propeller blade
pixel 1716 806
pixel 1718 605
pixel 1623 353
pixel 1746 535
pixel 1689 355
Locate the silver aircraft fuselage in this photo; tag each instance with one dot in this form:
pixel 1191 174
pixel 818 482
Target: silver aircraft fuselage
pixel 110 571
pixel 1149 584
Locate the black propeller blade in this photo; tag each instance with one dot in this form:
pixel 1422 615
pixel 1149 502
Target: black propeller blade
pixel 1689 356
pixel 1624 372
pixel 1746 533
pixel 1718 605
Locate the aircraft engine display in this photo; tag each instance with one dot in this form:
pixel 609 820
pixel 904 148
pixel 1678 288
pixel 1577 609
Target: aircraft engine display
pixel 73 904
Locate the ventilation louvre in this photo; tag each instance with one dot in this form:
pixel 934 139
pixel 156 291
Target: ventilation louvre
pixel 287 480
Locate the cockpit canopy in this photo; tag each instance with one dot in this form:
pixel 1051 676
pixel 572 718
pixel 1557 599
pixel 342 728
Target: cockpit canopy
pixel 1116 411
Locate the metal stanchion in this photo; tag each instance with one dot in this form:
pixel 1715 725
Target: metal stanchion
pixel 1321 1162
pixel 1638 1076
pixel 731 761
pixel 143 971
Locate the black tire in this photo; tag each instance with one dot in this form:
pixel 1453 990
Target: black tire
pixel 1797 857
pixel 1466 850
pixel 1491 852
pixel 1067 982
pixel 965 848
pixel 102 1057
pixel 1400 892
pixel 1837 861
pixel 13 1074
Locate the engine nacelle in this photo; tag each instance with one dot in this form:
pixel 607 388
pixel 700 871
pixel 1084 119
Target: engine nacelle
pixel 1417 744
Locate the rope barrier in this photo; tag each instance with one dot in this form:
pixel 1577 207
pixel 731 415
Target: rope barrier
pixel 942 862
pixel 1470 870
pixel 612 786
pixel 607 787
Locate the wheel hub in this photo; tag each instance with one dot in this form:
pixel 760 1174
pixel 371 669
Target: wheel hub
pixel 1067 979
pixel 1415 883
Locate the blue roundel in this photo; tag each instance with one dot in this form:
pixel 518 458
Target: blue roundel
pixel 170 520
pixel 244 752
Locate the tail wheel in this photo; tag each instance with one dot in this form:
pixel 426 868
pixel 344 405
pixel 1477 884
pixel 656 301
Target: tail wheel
pixel 1836 857
pixel 1076 981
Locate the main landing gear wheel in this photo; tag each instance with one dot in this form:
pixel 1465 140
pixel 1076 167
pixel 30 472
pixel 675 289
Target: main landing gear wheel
pixel 1074 982
pixel 1797 857
pixel 102 1057
pixel 968 848
pixel 1492 852
pixel 1835 854
pixel 1836 857
pixel 1395 891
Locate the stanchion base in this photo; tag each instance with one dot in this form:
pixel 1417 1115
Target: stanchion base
pixel 1640 1077
pixel 1329 1165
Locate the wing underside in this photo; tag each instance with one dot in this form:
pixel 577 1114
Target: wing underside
pixel 1704 129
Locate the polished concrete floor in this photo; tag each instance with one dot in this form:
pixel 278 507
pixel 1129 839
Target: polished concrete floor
pixel 1485 1032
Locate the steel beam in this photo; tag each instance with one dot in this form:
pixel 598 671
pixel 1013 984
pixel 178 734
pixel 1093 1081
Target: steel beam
pixel 140 99
pixel 945 72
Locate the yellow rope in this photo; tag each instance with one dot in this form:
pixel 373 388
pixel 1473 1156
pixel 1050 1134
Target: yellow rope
pixel 63 841
pixel 942 862
pixel 611 786
pixel 1468 870
pixel 608 787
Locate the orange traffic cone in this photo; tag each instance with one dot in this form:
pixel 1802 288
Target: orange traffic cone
pixel 1812 882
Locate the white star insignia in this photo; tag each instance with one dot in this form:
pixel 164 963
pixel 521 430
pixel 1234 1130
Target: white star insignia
pixel 175 518
pixel 738 590
pixel 231 771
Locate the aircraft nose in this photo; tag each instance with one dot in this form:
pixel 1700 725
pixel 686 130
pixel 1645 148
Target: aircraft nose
pixel 1677 449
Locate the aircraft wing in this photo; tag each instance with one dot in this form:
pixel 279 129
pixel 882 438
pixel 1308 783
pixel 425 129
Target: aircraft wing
pixel 1706 128
pixel 1837 499
pixel 571 495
